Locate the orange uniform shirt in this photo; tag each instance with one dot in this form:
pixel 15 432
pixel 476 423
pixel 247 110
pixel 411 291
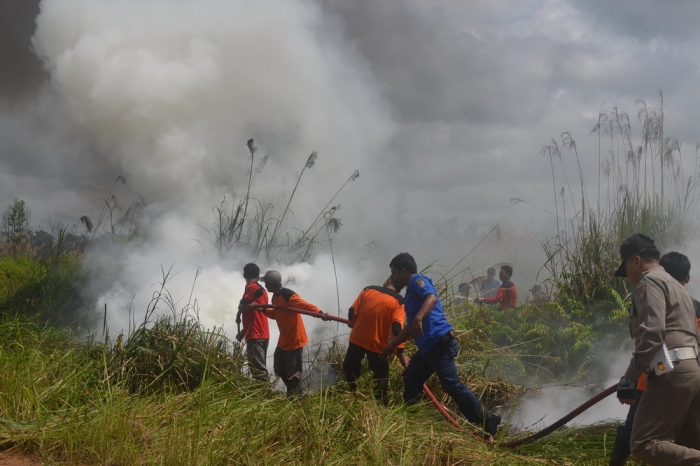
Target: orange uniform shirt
pixel 374 311
pixel 506 296
pixel 292 330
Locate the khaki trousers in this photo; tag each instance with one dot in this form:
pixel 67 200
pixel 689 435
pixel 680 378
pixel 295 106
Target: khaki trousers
pixel 668 417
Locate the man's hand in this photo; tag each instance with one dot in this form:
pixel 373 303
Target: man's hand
pixel 625 390
pixel 239 336
pixel 478 300
pixel 324 316
pixel 388 351
pixel 417 329
pixel 403 359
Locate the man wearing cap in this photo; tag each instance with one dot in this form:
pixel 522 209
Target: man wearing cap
pixel 436 342
pixel 538 296
pixel 287 360
pixel 463 296
pixel 676 265
pixel 662 317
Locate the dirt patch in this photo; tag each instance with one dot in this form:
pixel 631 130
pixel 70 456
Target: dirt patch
pixel 9 458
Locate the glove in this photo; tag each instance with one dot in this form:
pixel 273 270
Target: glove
pixel 625 390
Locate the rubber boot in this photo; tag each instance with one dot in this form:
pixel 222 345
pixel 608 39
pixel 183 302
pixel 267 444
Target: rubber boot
pixel 491 421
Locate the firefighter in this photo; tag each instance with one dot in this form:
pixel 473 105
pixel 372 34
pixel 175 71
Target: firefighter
pixel 287 360
pixel 436 342
pixel 662 322
pixel 256 330
pixel 507 297
pixel 377 311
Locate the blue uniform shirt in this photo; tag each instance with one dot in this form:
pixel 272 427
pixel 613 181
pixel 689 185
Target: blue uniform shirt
pixel 435 325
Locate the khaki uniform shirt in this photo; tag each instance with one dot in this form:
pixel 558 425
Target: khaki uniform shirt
pixel 662 311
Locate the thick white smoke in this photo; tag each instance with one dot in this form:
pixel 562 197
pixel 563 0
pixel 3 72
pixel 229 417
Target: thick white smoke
pixel 169 93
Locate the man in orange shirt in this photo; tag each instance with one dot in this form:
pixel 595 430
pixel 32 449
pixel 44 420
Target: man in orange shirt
pixel 376 311
pixel 287 362
pixel 506 296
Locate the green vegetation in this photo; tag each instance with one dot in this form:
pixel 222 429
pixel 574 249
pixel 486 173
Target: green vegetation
pixel 66 402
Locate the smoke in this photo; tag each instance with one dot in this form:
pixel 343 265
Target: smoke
pixel 167 96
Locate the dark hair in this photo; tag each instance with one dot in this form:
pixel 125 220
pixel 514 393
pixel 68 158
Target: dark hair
pixel 404 261
pixel 676 265
pixel 508 269
pixel 251 271
pixel 649 254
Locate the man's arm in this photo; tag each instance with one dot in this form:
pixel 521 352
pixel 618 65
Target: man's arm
pixel 500 296
pixel 296 302
pixel 416 328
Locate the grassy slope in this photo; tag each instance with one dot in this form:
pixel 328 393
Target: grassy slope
pixel 56 401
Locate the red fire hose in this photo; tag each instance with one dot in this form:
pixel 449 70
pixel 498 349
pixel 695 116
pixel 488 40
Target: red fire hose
pixel 512 444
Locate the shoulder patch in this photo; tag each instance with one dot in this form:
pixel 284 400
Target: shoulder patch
pixel 287 294
pixel 641 293
pixel 420 282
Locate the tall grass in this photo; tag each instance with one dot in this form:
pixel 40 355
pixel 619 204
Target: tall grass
pixel 60 400
pixel 646 191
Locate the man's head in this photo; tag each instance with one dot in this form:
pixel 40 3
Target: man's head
pixel 402 267
pixel 273 281
pixel 536 291
pixel 390 284
pixel 463 289
pixel 251 271
pixel 638 254
pixel 505 273
pixel 491 272
pixel 676 265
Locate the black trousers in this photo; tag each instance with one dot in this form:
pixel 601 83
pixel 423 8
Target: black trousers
pixel 352 365
pixel 288 366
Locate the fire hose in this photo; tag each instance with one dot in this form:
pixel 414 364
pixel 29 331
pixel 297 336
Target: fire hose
pixel 512 444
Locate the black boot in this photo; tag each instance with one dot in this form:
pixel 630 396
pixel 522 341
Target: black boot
pixel 491 421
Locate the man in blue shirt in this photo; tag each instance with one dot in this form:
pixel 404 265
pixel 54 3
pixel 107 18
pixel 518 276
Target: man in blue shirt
pixel 489 287
pixel 436 342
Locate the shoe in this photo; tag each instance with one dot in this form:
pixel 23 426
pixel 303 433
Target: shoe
pixel 491 423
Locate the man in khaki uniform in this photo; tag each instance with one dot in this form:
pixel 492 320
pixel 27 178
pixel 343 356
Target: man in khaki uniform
pixel 662 313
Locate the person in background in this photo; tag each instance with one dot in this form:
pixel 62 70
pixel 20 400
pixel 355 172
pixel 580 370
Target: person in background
pixel 538 296
pixel 662 322
pixel 463 294
pixel 507 296
pixel 489 287
pixel 436 342
pixel 377 311
pixel 676 265
pixel 287 360
pixel 256 330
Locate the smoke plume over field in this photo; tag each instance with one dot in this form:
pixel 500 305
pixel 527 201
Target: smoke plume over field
pixel 442 108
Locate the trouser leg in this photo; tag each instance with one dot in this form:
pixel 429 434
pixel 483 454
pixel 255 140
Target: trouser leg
pixel 256 353
pixel 352 365
pixel 380 371
pixel 621 448
pixel 668 400
pixel 288 366
pixel 442 359
pixel 415 375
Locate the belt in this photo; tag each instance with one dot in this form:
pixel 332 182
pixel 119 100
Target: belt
pixel 681 354
pixel 449 336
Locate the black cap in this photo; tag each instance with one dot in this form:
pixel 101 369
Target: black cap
pixel 632 245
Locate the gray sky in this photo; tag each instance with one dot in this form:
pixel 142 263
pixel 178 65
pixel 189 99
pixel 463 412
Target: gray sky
pixel 443 106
